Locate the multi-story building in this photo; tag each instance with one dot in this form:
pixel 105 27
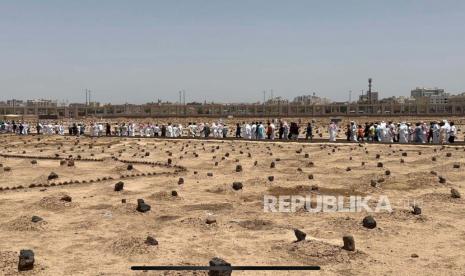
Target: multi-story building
pixel 426 92
pixel 311 99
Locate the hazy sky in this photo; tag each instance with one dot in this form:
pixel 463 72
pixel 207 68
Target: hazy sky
pixel 228 51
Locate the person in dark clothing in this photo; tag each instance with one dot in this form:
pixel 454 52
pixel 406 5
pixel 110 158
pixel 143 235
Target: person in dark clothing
pixel 348 133
pixel 367 131
pixel 238 130
pixel 38 128
pixel 281 130
pixel 309 132
pixel 163 131
pixel 108 129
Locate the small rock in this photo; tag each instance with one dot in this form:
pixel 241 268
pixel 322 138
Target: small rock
pixel 52 176
pixel 180 181
pixel 271 178
pixel 151 241
pixel 414 255
pixel 142 206
pixel 66 198
pixel 454 193
pixel 174 193
pixel 219 262
pixel 238 168
pixel 210 220
pixel 442 180
pixel 272 165
pixel 130 167
pixel 26 260
pixel 36 219
pixel 387 172
pixel 349 243
pixel 369 222
pixel 300 235
pixel 237 186
pixel 416 210
pixel 119 186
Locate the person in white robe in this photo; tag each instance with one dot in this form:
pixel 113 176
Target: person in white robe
pixel 332 131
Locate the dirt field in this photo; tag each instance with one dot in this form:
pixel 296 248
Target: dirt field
pixel 96 234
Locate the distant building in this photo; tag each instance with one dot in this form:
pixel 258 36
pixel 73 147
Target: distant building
pixel 15 103
pixel 430 95
pixel 365 98
pixel 311 99
pixel 457 99
pixel 276 100
pixel 396 100
pixel 41 103
pixel 426 92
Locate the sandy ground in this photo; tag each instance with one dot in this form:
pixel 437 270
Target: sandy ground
pixel 97 234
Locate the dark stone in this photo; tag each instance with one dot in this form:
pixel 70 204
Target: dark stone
pixel 456 166
pixel 174 193
pixel 142 206
pixel 33 162
pixel 272 165
pixel 119 186
pixel 369 222
pixel 310 176
pixel 271 178
pixel 416 210
pixel 217 262
pixel 300 235
pixel 123 200
pixel 454 193
pixel 404 154
pixel 238 168
pixel 433 158
pixel 180 181
pixel 373 183
pixel 66 198
pixel 130 167
pixel 209 174
pixel 387 172
pixel 151 241
pixel 36 219
pixel 380 164
pixel 378 156
pixel 442 180
pixel 71 163
pixel 237 186
pixel 26 260
pixel 52 176
pixel 349 243
pixel 348 169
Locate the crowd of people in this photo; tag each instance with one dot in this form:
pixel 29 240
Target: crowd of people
pixel 389 132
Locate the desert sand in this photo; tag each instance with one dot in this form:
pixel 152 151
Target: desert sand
pixel 96 234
